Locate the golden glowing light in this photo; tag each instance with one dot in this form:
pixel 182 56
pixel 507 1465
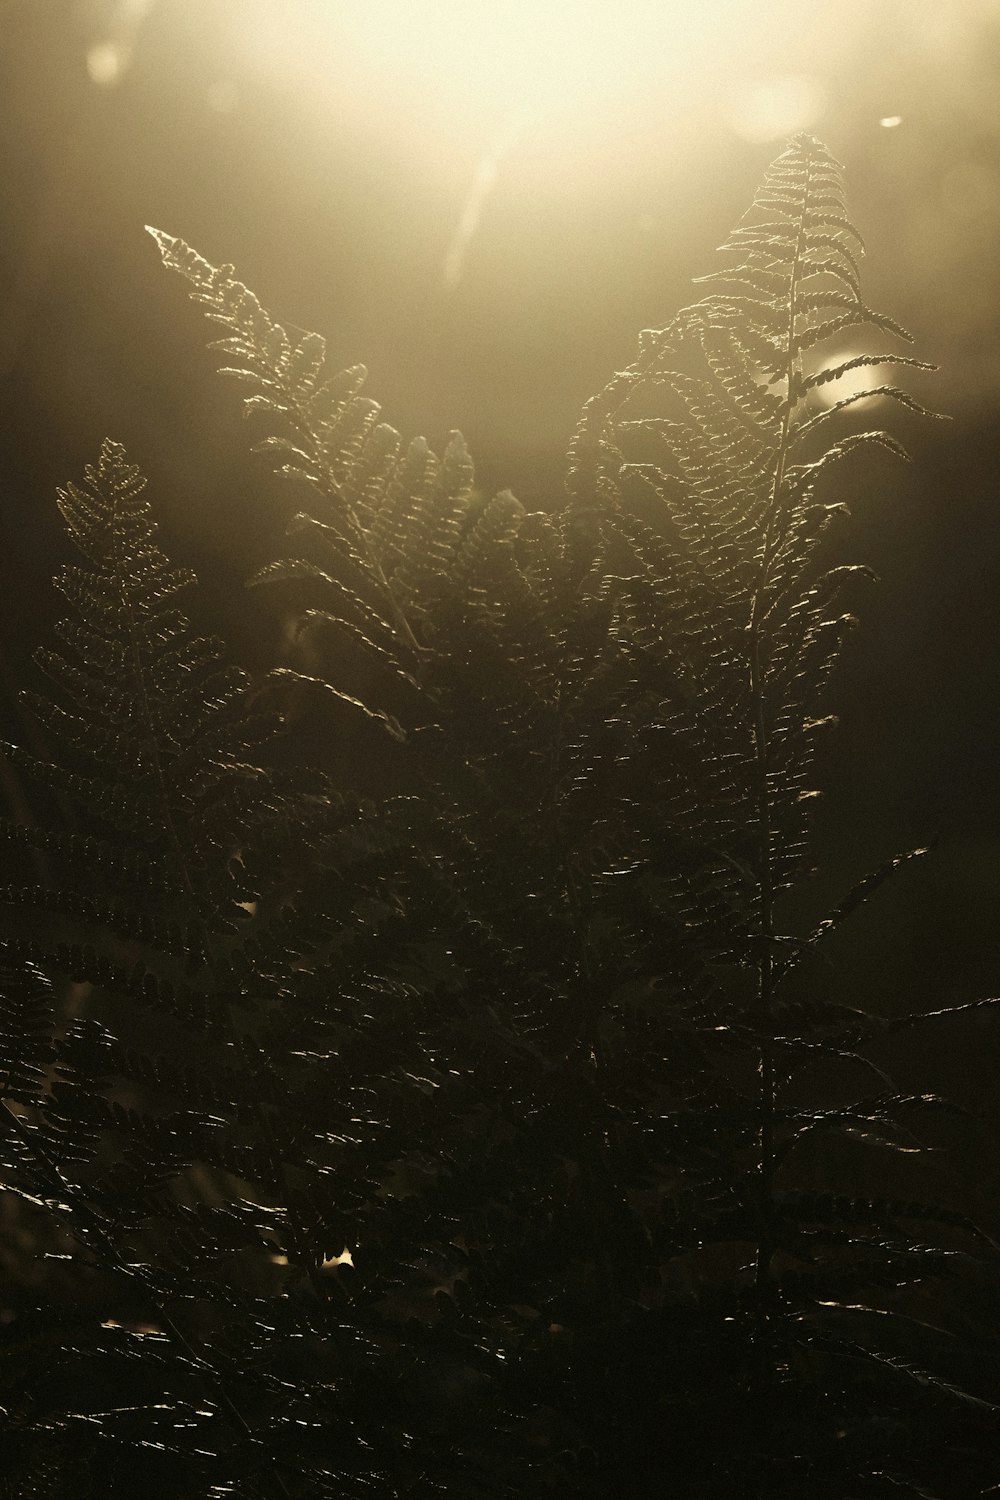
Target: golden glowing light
pixel 110 54
pixel 484 179
pixel 487 122
pixel 542 54
pixel 594 67
pixel 776 108
pixel 853 382
pixel 106 62
pixel 564 79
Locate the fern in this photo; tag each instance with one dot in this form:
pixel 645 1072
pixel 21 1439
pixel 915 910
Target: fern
pixel 520 1030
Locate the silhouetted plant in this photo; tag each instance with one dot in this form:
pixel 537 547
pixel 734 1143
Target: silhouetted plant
pixel 459 1137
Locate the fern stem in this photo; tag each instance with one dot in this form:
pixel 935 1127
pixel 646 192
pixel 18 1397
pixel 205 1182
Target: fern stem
pixel 762 799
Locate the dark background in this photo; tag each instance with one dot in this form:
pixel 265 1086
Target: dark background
pixel 330 152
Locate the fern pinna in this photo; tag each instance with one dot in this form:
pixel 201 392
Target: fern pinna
pixel 519 1029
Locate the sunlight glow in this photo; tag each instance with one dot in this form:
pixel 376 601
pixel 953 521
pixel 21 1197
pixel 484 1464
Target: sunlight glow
pixel 589 68
pixel 483 181
pixel 526 77
pixel 550 53
pixel 777 108
pixel 853 382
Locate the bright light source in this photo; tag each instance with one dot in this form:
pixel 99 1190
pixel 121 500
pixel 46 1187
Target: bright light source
pixel 889 122
pixel 779 107
pixel 518 76
pixel 549 57
pixel 552 46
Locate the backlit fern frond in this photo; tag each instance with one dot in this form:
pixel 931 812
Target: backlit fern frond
pixel 613 760
pixel 388 520
pixel 724 483
pixel 704 464
pixel 149 720
pixel 449 1111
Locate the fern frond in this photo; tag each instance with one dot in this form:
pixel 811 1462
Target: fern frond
pixel 520 1029
pixel 394 519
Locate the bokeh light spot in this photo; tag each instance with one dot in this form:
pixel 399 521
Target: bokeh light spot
pixel 106 63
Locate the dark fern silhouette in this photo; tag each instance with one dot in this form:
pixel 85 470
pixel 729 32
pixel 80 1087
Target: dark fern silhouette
pixel 484 1133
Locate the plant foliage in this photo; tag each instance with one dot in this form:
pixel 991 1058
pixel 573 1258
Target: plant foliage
pixel 481 1132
